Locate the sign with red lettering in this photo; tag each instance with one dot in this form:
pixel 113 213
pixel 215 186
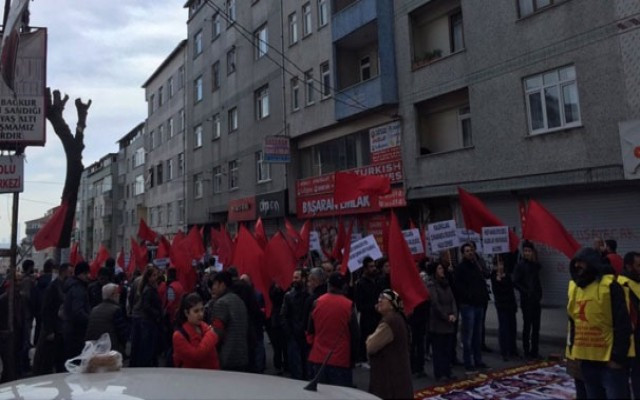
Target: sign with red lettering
pixel 391 154
pixel 394 199
pixel 11 174
pixel 242 209
pixel 322 205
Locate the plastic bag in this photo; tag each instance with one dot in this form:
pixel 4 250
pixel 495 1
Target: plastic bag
pixel 96 356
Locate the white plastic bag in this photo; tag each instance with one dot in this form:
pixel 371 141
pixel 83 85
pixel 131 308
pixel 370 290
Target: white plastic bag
pixel 96 356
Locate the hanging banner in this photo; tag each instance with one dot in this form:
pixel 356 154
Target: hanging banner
pixel 276 149
pixel 366 247
pixel 495 239
pixel 412 236
pixel 442 235
pixel 11 174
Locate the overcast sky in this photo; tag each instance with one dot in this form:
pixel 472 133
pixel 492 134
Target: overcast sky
pixel 98 49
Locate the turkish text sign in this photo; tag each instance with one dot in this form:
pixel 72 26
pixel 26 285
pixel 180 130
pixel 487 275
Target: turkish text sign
pixel 495 239
pixel 443 235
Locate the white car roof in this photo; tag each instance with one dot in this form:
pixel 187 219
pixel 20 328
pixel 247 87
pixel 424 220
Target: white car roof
pixel 170 383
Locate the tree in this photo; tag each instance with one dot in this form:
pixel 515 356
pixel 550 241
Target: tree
pixel 73 147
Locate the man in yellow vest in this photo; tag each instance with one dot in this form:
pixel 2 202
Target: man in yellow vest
pixel 599 327
pixel 630 279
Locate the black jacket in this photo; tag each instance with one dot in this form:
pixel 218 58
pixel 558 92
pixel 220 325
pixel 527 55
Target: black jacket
pixel 470 284
pixel 292 312
pixel 76 308
pixel 308 303
pixel 526 278
pixel 503 295
pixel 150 304
pixel 51 301
pixel 108 317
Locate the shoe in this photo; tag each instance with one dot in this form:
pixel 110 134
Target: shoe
pixel 365 365
pixel 482 366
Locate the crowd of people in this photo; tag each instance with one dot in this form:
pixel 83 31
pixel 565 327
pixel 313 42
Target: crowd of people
pixel 326 324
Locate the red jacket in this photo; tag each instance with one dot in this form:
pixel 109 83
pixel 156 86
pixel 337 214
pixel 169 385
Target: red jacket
pixel 617 262
pixel 197 351
pixel 173 298
pixel 332 328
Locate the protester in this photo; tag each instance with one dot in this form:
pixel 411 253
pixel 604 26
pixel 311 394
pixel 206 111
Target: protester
pixel 42 282
pixel 95 287
pixel 630 280
pixel 447 262
pixel 27 293
pixel 231 323
pixel 76 310
pixel 194 342
pixel 145 336
pixel 472 295
pixel 388 350
pixel 526 278
pixel 317 286
pixel 257 353
pixel 11 354
pixel 599 327
pixel 107 317
pixel 366 299
pixel 614 258
pixel 333 327
pixel 442 318
pixel 275 331
pixel 384 277
pixel 294 324
pixel 506 308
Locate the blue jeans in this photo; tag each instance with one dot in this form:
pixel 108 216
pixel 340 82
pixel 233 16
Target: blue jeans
pixel 471 334
pixel 333 375
pixel 602 382
pixel 507 331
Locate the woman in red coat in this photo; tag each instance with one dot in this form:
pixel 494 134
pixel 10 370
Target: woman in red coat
pixel 194 342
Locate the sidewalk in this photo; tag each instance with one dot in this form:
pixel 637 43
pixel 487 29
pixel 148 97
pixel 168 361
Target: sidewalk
pixel 553 325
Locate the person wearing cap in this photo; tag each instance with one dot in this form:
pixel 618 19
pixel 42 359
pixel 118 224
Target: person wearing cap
pixel 388 350
pixel 526 279
pixel 76 310
pixel 599 338
pixel 333 335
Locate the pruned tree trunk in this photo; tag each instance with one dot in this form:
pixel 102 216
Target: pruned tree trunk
pixel 73 147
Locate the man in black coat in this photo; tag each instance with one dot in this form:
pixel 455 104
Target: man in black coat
pixel 366 298
pixel 42 283
pixel 526 279
pixel 294 324
pixel 76 310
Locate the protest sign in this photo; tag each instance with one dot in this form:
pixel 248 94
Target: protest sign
pixel 468 236
pixel 412 236
pixel 442 235
pixel 314 242
pixel 361 249
pixel 495 239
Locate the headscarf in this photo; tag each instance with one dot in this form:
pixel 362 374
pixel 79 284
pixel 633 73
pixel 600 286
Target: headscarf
pixel 394 299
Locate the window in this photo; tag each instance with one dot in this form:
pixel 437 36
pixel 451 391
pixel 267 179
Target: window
pixel 139 157
pixel 107 184
pixel 231 60
pixel 170 127
pixel 150 176
pixel 444 123
pixel 233 119
pixel 456 35
pixel 293 28
pixel 160 135
pixel 152 140
pixel 309 88
pixel 159 211
pixel 182 120
pixel 152 216
pixel 197 43
pixel 231 11
pixel 216 28
pixel 263 169
pixel 323 12
pixel 217 128
pixel 217 179
pixel 436 34
pixel 170 170
pixel 528 7
pixel 169 213
pixel 139 185
pixel 181 76
pixel 159 175
pixel 260 41
pixel 295 94
pixel 181 164
pixel 365 68
pixel 306 20
pixel 170 87
pixel 215 76
pixel 180 211
pixel 262 102
pixel 552 100
pixel 464 125
pixel 197 140
pixel 197 89
pixel 325 73
pixel 152 99
pixel 198 186
pixel 233 174
pixel 160 100
pixel 334 155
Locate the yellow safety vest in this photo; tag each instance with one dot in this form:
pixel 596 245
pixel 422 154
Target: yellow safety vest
pixel 630 285
pixel 590 310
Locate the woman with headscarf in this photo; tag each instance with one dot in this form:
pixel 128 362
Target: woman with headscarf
pixel 388 350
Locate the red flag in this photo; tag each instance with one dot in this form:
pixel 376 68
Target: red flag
pixel 250 261
pixel 224 245
pixel 74 255
pixel 347 251
pixel 350 186
pixel 477 215
pixel 140 253
pixel 195 243
pixel 120 260
pixel 305 234
pixel 49 234
pixel 522 208
pixel 261 236
pixel 280 260
pixel 385 237
pixel 101 257
pixel 181 259
pixel 146 233
pixel 164 248
pixel 404 275
pixel 10 41
pixel 544 227
pixel 131 267
pixel 336 254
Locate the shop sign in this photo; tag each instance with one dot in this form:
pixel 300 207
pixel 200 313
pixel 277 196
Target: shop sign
pixel 323 205
pixel 394 199
pixel 11 174
pixel 276 149
pixel 384 137
pixel 242 209
pixel 271 205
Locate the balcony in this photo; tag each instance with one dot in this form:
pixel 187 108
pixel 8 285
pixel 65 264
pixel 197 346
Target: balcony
pixel 361 97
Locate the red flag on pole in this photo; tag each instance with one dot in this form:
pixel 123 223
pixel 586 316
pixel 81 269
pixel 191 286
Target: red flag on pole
pixel 336 254
pixel 101 257
pixel 350 186
pixel 74 255
pixel 260 234
pixel 49 234
pixel 477 215
pixel 140 253
pixel 181 259
pixel 522 208
pixel 280 260
pixel 131 267
pixel 195 243
pixel 164 248
pixel 120 260
pixel 544 227
pixel 404 274
pixel 224 245
pixel 344 265
pixel 305 235
pixel 250 261
pixel 146 233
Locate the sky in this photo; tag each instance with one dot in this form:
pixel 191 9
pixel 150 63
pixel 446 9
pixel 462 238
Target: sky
pixel 103 50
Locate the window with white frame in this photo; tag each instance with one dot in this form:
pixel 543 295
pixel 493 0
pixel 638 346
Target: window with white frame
pixel 180 211
pixel 307 21
pixel 152 99
pixel 309 87
pixel 181 76
pixel 160 134
pixel 152 140
pixel 436 33
pixel 232 119
pixel 216 126
pixel 323 12
pixel 159 174
pixel 170 127
pixel 263 169
pixel 325 74
pixel 182 120
pixel 197 43
pixel 295 94
pixel 444 123
pixel 181 164
pixel 160 97
pixel 215 76
pixel 293 28
pixel 233 174
pixel 139 157
pixel 170 169
pixel 198 186
pixel 217 179
pixel 528 7
pixel 216 26
pixel 169 213
pixel 139 185
pixel 231 11
pixel 552 100
pixel 197 133
pixel 231 60
pixel 197 89
pixel 365 68
pixel 262 102
pixel 464 125
pixel 170 87
pixel 457 34
pixel 260 41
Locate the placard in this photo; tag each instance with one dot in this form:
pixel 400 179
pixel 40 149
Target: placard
pixel 495 239
pixel 412 236
pixel 314 242
pixel 362 248
pixel 466 236
pixel 11 174
pixel 442 235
